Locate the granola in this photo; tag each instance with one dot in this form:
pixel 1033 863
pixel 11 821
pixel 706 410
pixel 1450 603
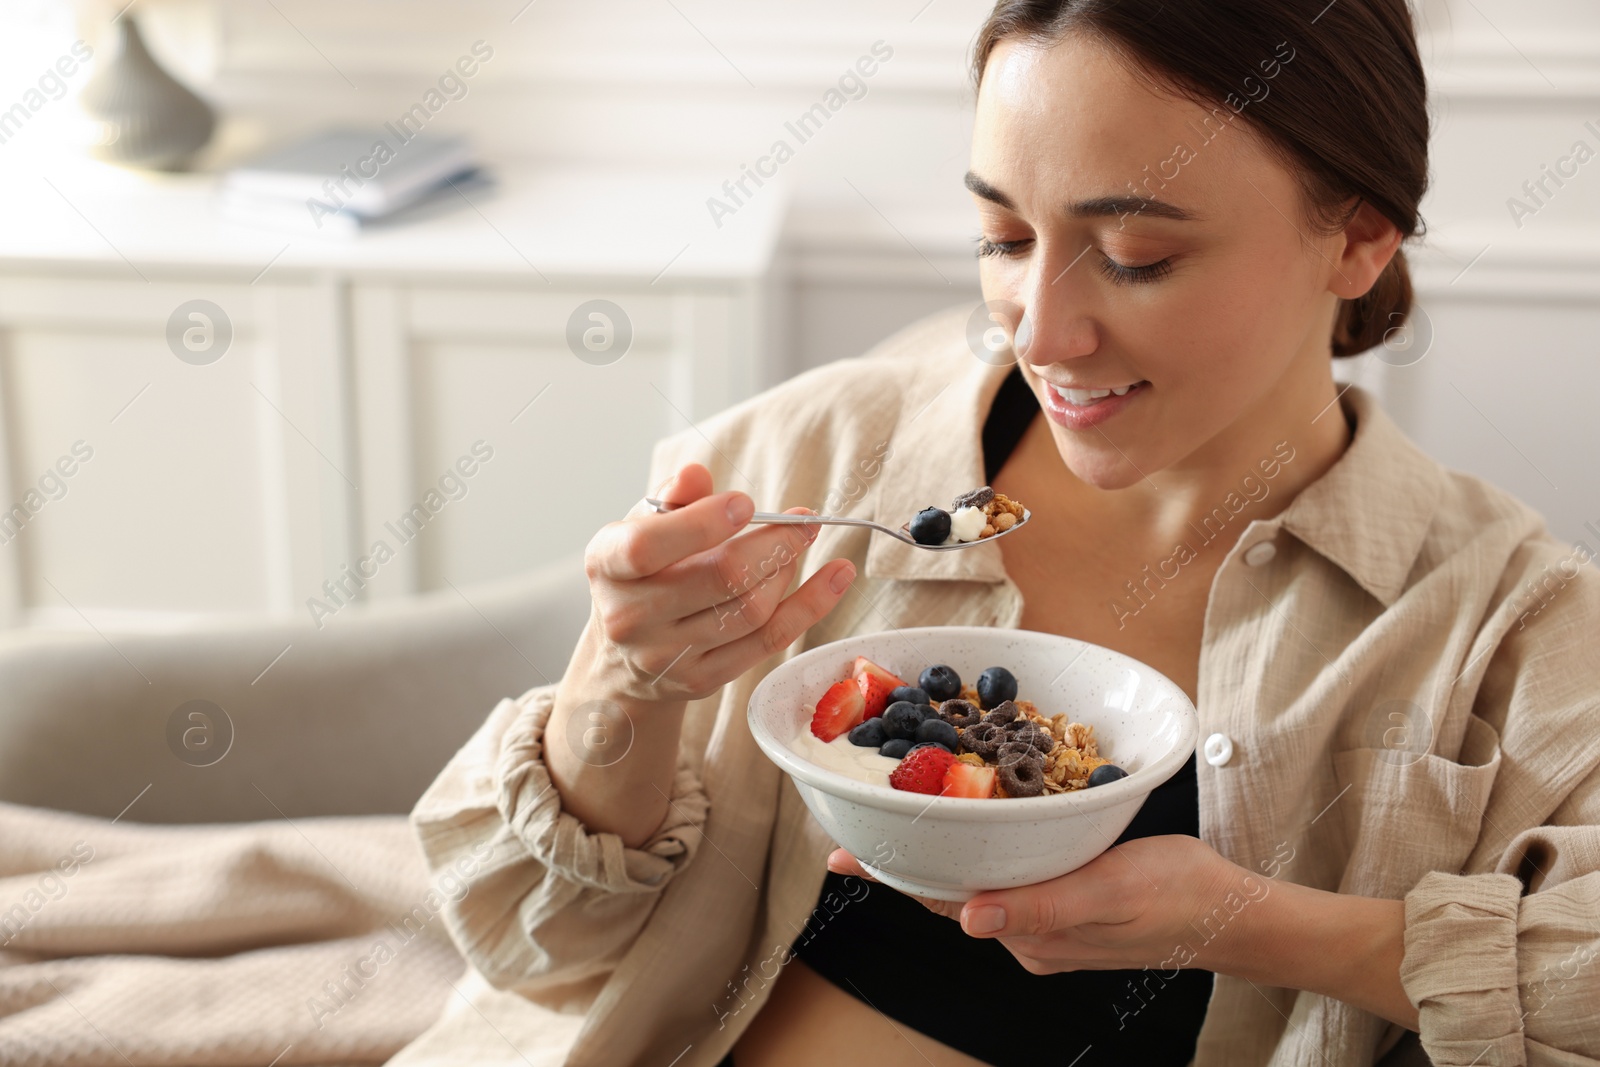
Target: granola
pixel 972 516
pixel 1069 762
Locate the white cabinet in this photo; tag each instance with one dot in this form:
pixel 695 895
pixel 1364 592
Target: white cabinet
pixel 199 494
pixel 390 415
pixel 441 370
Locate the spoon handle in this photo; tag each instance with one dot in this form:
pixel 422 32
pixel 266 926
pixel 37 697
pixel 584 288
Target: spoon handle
pixel 814 520
pixel 780 519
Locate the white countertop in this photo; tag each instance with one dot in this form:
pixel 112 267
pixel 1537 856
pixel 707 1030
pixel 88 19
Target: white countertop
pixel 555 222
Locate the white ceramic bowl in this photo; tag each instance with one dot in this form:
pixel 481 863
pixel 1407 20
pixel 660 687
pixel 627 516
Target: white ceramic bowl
pixel 951 848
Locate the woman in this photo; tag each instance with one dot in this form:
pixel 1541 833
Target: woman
pixel 1187 212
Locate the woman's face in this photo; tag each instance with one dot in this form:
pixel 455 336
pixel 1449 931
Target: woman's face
pixel 1143 254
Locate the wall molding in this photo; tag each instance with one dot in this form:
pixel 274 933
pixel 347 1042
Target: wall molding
pixel 1481 67
pixel 322 44
pixel 1555 267
pixel 658 46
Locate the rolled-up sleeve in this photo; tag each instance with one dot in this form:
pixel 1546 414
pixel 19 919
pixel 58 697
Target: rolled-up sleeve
pixel 1460 967
pixel 1504 967
pixel 546 901
pixel 549 904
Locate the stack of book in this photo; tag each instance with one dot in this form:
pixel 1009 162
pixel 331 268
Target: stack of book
pixel 339 182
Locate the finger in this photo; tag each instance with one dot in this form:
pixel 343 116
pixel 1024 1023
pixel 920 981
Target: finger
pixel 743 581
pixel 687 484
pixel 692 482
pixel 794 616
pixel 646 544
pixel 729 571
pixel 1036 910
pixel 712 665
pixel 841 862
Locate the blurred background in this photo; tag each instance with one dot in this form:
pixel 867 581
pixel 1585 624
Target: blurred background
pixel 217 400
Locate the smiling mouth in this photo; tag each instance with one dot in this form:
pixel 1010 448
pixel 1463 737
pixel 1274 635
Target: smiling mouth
pixel 1081 398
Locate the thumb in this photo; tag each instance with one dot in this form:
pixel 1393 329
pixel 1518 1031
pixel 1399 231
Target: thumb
pixel 1031 910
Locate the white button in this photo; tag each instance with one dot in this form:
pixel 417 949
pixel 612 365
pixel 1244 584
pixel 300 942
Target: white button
pixel 1259 553
pixel 1219 749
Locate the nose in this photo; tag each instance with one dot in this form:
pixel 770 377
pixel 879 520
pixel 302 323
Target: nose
pixel 1056 322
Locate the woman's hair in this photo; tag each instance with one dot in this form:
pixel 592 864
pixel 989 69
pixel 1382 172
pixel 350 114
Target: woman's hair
pixel 1347 108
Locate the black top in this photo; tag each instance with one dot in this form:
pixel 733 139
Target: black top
pixel 1009 418
pixel 886 949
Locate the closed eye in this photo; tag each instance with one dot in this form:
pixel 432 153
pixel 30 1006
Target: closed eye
pixel 987 247
pixel 1126 275
pixel 1120 273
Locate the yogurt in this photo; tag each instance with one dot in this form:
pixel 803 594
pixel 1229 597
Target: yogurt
pixel 966 524
pixel 860 762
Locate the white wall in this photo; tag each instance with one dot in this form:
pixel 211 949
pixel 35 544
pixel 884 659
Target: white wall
pixel 1509 386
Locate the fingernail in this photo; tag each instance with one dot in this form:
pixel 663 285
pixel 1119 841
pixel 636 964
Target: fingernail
pixel 740 508
pixel 842 578
pixel 985 919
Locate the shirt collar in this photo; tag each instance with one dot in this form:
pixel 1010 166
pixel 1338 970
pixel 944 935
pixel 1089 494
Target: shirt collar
pixel 937 455
pixel 1370 511
pixel 1367 514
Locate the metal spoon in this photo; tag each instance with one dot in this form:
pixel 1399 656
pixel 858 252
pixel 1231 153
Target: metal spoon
pixel 902 534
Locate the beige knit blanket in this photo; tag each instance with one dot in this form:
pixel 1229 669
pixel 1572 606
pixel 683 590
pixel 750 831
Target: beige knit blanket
pixel 316 941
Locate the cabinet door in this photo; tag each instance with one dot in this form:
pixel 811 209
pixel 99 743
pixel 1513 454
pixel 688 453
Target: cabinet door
pixel 556 438
pixel 197 484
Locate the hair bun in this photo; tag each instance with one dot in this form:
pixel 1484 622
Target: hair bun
pixel 1364 322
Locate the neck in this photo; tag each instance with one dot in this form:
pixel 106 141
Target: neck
pixel 1302 416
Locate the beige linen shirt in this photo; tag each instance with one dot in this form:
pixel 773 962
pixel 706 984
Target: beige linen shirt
pixel 1407 678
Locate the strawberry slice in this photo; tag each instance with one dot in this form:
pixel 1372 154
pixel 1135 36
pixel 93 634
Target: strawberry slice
pixel 839 710
pixel 876 684
pixel 969 780
pixel 923 770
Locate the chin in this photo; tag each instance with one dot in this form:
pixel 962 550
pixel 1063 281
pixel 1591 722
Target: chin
pixel 1103 470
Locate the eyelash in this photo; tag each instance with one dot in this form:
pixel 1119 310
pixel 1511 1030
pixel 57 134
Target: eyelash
pixel 987 247
pixel 1149 272
pixel 1118 273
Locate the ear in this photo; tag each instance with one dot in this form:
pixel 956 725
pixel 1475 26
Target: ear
pixel 1370 242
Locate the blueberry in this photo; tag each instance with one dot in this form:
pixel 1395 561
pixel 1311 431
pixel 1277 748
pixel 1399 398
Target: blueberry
pixel 996 686
pixel 1106 772
pixel 940 682
pixel 939 732
pixel 930 744
pixel 931 526
pixel 909 693
pixel 869 734
pixel 901 720
pixel 927 711
pixel 896 748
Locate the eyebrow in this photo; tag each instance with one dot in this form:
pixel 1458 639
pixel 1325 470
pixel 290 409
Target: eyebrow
pixel 1098 207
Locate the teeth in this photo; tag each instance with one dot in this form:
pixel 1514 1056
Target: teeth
pixel 1089 396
